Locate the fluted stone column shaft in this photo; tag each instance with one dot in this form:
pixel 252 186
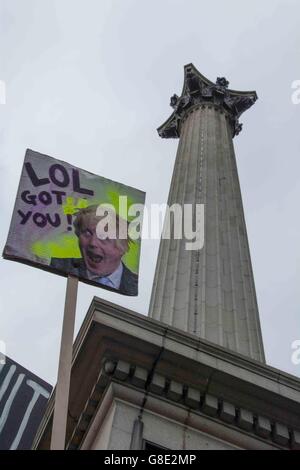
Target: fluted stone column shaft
pixel 209 292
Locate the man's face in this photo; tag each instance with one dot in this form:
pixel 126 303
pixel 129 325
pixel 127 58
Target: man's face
pixel 102 256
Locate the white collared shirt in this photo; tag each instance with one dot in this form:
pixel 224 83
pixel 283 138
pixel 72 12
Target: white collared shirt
pixel 113 280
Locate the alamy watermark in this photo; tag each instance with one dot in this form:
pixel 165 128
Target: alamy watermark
pixel 295 358
pixel 137 221
pixel 2 353
pixel 296 94
pixel 2 92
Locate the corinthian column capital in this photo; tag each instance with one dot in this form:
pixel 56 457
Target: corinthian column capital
pixel 199 91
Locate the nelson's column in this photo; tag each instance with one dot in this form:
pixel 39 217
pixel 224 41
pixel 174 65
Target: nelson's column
pixel 192 375
pixel 209 292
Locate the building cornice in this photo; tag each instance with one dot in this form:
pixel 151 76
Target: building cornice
pixel 115 335
pixel 176 401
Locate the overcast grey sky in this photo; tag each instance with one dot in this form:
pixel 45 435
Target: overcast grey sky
pixel 89 81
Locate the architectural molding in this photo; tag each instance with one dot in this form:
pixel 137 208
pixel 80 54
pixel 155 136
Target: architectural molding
pixel 180 373
pixel 259 427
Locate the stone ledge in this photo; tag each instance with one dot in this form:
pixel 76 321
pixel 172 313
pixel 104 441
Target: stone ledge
pixel 184 395
pixel 112 331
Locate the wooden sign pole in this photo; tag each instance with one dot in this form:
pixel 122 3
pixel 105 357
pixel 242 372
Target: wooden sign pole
pixel 58 436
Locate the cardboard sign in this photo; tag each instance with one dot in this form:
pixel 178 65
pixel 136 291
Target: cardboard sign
pixel 69 221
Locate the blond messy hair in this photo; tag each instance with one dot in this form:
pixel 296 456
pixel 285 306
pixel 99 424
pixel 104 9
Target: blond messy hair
pixel 83 218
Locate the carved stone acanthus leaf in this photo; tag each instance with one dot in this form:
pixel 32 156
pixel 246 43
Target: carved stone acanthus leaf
pixel 238 128
pixel 222 82
pixel 174 101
